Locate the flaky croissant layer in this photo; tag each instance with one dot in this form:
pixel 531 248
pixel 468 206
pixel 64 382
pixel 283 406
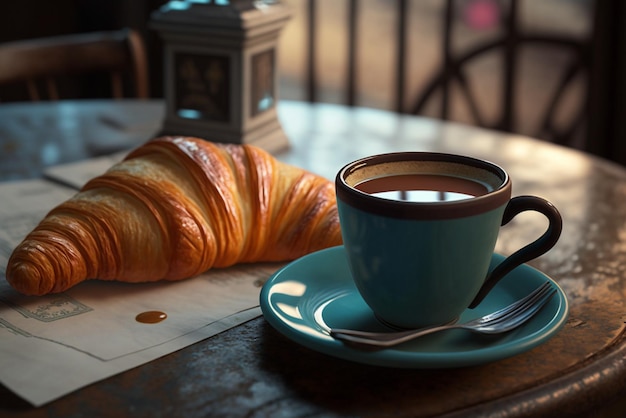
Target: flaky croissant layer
pixel 174 208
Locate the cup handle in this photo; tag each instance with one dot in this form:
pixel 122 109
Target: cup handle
pixel 529 252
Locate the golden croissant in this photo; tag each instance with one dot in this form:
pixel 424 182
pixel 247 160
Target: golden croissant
pixel 174 208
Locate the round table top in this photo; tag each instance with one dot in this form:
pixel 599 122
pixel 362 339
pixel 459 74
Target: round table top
pixel 252 370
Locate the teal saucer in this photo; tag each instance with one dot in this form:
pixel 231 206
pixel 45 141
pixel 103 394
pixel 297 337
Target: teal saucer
pixel 315 293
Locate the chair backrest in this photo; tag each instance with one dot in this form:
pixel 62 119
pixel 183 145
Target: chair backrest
pixel 37 62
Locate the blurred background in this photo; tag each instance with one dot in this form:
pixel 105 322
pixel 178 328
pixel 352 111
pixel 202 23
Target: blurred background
pixel 586 48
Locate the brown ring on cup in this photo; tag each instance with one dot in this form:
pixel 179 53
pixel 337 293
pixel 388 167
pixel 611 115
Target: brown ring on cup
pixel 490 173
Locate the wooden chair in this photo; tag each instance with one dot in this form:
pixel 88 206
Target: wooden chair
pixel 45 61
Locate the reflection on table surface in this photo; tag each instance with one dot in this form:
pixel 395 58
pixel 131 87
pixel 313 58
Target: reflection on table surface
pixel 251 369
pixel 43 134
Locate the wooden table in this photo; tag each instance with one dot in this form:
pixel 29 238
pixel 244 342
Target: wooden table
pixel 252 370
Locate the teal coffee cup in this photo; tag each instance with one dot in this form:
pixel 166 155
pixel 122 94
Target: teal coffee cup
pixel 420 230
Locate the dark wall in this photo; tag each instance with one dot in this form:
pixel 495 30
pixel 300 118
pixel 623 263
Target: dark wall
pixel 607 127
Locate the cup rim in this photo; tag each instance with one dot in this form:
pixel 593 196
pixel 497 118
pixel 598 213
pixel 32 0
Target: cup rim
pixel 423 210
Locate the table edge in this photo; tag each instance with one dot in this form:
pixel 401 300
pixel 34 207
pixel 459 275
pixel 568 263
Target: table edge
pixel 600 378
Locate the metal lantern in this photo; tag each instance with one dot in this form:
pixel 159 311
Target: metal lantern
pixel 220 70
